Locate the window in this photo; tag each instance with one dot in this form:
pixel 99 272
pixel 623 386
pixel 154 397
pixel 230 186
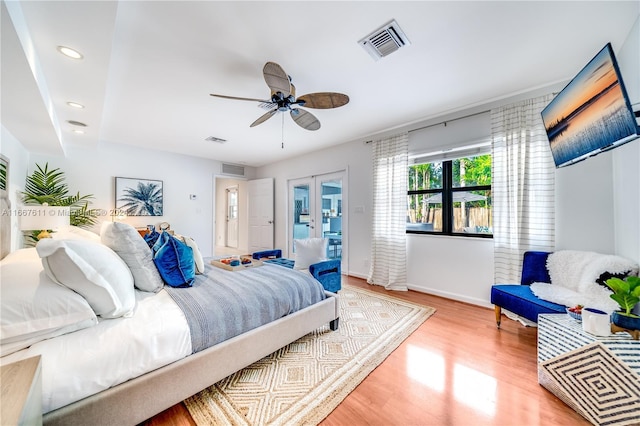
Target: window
pixel 451 197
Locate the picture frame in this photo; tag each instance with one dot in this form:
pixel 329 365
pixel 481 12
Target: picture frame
pixel 4 174
pixel 5 208
pixel 139 197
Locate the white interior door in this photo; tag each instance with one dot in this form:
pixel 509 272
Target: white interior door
pixel 261 226
pixel 232 217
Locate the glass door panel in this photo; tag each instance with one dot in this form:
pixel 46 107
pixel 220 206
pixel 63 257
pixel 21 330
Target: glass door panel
pixel 232 217
pixel 302 210
pixel 317 209
pixel 330 188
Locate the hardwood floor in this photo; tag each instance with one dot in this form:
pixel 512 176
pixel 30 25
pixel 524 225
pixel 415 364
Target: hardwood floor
pixel 456 369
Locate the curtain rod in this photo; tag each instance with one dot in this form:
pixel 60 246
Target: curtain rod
pixel 448 121
pixel 443 122
pixel 455 119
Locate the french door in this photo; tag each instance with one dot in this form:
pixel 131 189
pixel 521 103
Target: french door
pixel 317 209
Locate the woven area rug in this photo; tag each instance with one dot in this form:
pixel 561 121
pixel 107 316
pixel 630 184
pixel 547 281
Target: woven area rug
pixel 304 381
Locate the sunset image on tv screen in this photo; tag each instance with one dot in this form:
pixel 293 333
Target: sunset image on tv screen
pixel 590 113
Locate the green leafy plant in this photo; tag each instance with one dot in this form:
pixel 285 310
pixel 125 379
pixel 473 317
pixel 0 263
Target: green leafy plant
pixel 626 293
pixel 48 186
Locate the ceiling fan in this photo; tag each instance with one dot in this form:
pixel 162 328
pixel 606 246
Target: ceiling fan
pixel 283 98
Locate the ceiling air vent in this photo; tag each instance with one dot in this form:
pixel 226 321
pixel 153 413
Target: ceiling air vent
pixel 232 169
pixel 215 139
pixel 385 40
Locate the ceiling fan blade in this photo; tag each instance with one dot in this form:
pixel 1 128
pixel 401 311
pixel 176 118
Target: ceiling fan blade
pixel 276 78
pixel 240 99
pixel 264 117
pixel 324 100
pixel 305 119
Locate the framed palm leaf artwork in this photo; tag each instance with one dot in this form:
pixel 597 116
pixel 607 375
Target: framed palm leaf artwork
pixel 139 197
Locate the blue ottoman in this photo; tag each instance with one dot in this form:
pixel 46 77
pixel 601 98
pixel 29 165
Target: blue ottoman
pixel 327 272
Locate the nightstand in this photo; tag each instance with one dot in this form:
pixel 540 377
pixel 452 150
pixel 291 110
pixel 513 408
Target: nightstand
pixel 21 396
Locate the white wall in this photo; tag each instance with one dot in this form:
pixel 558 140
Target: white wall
pixel 626 159
pixel 92 171
pixel 584 205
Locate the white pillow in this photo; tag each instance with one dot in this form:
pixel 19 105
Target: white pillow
pixel 309 251
pixel 74 233
pixel 126 241
pixel 94 271
pixel 33 307
pixel 197 255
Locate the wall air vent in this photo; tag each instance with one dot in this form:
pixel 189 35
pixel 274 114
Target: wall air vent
pixel 384 40
pixel 215 139
pixel 232 169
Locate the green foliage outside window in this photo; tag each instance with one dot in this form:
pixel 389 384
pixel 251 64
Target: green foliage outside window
pixel 464 181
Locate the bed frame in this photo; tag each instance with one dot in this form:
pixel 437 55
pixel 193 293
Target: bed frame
pixel 138 399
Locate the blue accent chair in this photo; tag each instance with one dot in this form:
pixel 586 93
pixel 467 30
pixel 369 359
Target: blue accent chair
pixel 327 272
pixel 518 298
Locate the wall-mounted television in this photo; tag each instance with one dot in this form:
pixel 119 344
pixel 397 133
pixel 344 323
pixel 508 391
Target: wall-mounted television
pixel 592 114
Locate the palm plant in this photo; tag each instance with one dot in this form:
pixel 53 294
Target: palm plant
pixel 145 200
pixel 48 186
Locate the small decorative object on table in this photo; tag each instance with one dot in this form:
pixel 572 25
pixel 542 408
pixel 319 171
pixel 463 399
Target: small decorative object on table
pixel 237 263
pixel 575 312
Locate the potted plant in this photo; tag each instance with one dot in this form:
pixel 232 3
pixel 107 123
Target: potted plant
pixel 627 294
pixel 46 185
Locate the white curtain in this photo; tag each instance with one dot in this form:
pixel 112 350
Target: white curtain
pixel 523 176
pixel 388 245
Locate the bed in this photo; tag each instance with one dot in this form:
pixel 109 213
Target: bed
pixel 149 349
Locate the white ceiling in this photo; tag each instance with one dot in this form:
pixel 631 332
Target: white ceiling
pixel 149 67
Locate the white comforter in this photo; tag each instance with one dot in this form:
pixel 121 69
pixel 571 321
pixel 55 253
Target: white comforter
pixel 91 360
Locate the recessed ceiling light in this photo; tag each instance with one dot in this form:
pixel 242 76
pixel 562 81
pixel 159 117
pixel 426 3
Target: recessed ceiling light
pixel 78 131
pixel 76 123
pixel 71 53
pixel 75 105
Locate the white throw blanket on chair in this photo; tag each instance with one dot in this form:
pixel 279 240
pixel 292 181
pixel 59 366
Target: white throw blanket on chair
pixel 573 278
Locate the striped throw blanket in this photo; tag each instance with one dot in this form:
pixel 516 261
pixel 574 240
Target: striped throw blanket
pixel 222 304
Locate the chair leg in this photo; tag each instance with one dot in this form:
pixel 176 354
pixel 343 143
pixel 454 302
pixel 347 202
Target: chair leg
pixel 498 311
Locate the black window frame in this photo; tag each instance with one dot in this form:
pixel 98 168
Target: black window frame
pixel 447 191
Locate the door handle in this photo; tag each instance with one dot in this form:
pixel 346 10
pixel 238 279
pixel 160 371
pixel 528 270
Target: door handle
pixel 270 222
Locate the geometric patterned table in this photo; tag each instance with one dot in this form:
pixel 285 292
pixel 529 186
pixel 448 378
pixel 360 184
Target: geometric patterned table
pixel 598 377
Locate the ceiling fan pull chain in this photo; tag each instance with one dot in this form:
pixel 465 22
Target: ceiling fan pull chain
pixel 282 146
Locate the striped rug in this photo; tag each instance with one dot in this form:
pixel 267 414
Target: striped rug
pixel 304 381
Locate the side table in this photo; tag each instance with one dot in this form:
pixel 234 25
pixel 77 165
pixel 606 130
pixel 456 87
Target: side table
pixel 21 397
pixel 598 377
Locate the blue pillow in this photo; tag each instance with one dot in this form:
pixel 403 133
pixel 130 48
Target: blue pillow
pixel 174 260
pixel 151 238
